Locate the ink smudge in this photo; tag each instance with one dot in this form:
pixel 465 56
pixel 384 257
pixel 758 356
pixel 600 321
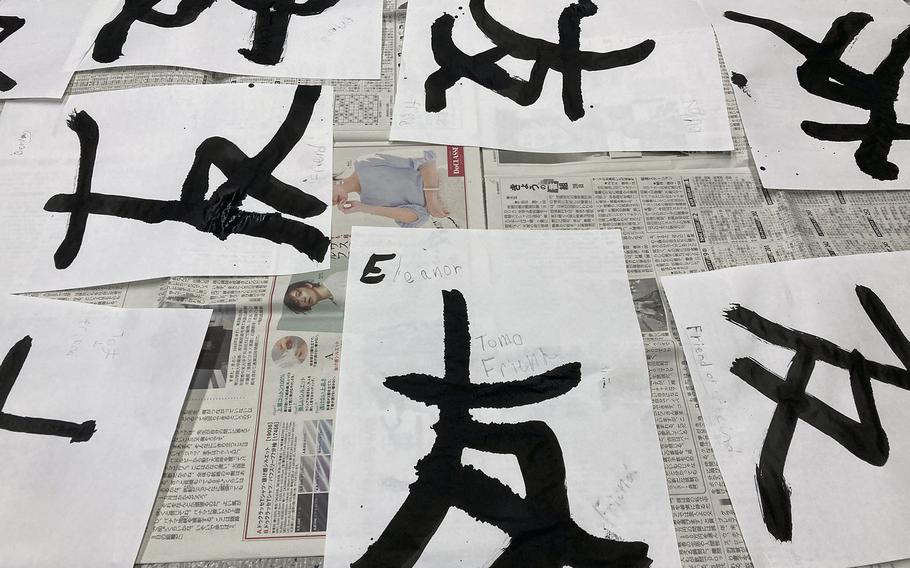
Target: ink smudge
pixel 740 81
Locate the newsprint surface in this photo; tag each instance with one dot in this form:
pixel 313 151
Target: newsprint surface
pixel 249 471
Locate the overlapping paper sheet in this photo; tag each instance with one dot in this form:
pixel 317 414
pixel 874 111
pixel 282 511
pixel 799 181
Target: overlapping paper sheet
pixel 813 114
pixel 148 143
pixel 503 323
pixel 814 335
pixel 318 39
pixel 42 43
pixel 670 100
pixel 86 503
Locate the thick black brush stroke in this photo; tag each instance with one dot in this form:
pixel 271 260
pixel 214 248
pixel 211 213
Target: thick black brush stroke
pixel 269 31
pixel 540 526
pixel 865 439
pixel 566 58
pixel 112 36
pixel 220 214
pixel 8 26
pixel 825 75
pixel 9 372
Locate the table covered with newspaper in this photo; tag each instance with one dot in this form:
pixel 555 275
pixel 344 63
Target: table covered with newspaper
pixel 242 482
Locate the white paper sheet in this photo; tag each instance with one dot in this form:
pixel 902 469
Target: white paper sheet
pixel 146 146
pixel 844 510
pixel 530 308
pixel 773 105
pixel 671 100
pixel 85 504
pixel 344 41
pixel 44 42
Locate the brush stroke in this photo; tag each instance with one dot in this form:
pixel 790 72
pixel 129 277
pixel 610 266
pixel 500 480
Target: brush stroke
pixel 219 215
pixel 825 75
pixel 565 57
pixel 9 372
pixel 270 30
pixel 540 526
pixel 865 439
pixel 8 26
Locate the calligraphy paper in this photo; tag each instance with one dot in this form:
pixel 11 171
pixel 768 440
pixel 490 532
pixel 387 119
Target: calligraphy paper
pixel 42 43
pixel 801 374
pixel 820 113
pixel 646 77
pixel 484 386
pixel 128 185
pixel 319 39
pixel 89 400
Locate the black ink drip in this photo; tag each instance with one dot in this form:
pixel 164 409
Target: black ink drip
pixel 865 439
pixel 542 532
pixel 220 214
pixel 565 57
pixel 269 32
pixel 740 81
pixel 825 75
pixel 9 372
pixel 8 26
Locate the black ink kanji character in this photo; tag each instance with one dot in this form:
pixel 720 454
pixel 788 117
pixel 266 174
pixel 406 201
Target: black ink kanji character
pixel 269 32
pixel 220 214
pixel 9 372
pixel 865 439
pixel 542 532
pixel 564 57
pixel 8 26
pixel 825 75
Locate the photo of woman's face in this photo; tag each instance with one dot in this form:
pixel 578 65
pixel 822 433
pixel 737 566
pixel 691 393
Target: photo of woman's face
pixel 303 296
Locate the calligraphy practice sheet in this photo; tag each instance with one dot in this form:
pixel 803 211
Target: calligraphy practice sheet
pixel 317 39
pixel 561 76
pixel 42 43
pixel 89 401
pixel 164 181
pixel 801 374
pixel 491 407
pixel 818 84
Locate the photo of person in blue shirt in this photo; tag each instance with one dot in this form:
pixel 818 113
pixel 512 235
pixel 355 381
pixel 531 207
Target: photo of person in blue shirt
pixel 405 190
